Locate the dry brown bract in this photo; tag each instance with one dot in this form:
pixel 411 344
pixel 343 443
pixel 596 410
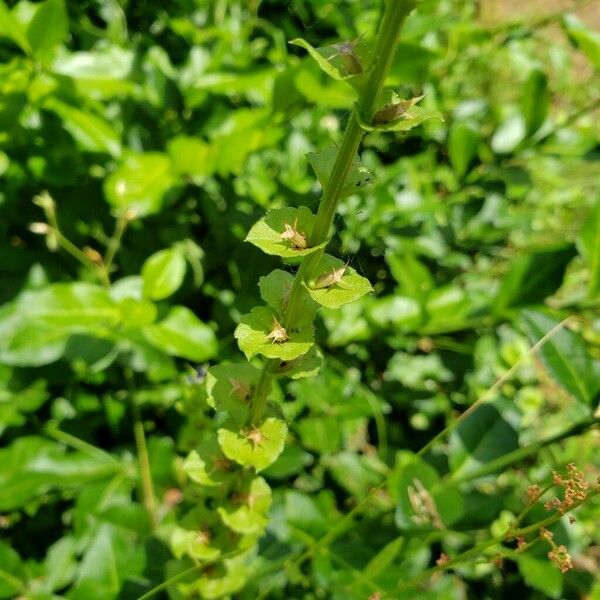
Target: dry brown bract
pixel 295 237
pixel 278 334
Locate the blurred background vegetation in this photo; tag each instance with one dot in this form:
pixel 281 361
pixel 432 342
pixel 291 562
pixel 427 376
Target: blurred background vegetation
pixel 139 141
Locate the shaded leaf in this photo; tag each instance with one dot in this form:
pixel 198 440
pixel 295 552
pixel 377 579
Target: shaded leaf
pixel 322 163
pixel 564 355
pixel 588 244
pixel 181 333
pixel 140 183
pixel 163 273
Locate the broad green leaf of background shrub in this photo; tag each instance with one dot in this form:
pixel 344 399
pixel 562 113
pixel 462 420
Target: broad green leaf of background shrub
pixel 585 39
pixel 91 132
pixel 588 244
pixel 140 183
pixel 463 140
pixel 182 334
pixel 565 356
pixel 483 436
pixel 163 273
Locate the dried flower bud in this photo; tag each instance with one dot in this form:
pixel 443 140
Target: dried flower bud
pixel 241 389
pixel 533 493
pixel 40 228
pixel 278 334
pixel 93 255
pixel 296 238
pixel 332 278
pixel 561 557
pixel 442 560
pixel 255 436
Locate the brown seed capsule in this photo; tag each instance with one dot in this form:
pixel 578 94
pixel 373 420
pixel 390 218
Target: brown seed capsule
pixel 334 277
pixel 395 110
pixel 296 238
pixel 278 333
pixel 255 436
pixel 240 389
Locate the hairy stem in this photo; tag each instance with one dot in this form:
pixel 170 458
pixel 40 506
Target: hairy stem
pixel 383 53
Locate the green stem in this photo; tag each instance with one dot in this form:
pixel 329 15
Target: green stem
pixel 115 242
pixel 521 453
pixel 479 548
pixel 142 454
pixel 383 54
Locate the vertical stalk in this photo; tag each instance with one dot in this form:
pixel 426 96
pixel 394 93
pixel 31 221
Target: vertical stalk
pixel 383 52
pixel 142 455
pixel 144 464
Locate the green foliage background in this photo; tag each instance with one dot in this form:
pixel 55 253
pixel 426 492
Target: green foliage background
pixel 162 132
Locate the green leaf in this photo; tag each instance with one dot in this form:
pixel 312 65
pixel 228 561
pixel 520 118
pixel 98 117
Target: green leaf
pixel 191 156
pixel 564 355
pixel 61 563
pixel 541 575
pixel 35 329
pixel 163 273
pixel 306 365
pixel 322 163
pixel 230 388
pixel 337 283
pixel 414 277
pixel 339 61
pixel 255 447
pixel 509 134
pixel 482 437
pixel 383 558
pixel 535 100
pixel 463 140
pixel 588 244
pixel 183 541
pixel 109 560
pixel 181 333
pixel 252 516
pixel 140 183
pixel 91 132
pixel 266 233
pixel 255 327
pixel 532 277
pixel 275 289
pixel 48 27
pixel 12 29
pixel 408 119
pixel 195 469
pixel 320 434
pixel 586 40
pixel 12 572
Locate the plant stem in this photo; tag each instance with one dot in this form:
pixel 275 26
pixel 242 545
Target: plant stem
pixel 383 53
pixel 142 454
pixel 115 241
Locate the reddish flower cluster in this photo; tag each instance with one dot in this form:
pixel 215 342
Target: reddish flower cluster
pixel 575 489
pixel 558 554
pixel 533 493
